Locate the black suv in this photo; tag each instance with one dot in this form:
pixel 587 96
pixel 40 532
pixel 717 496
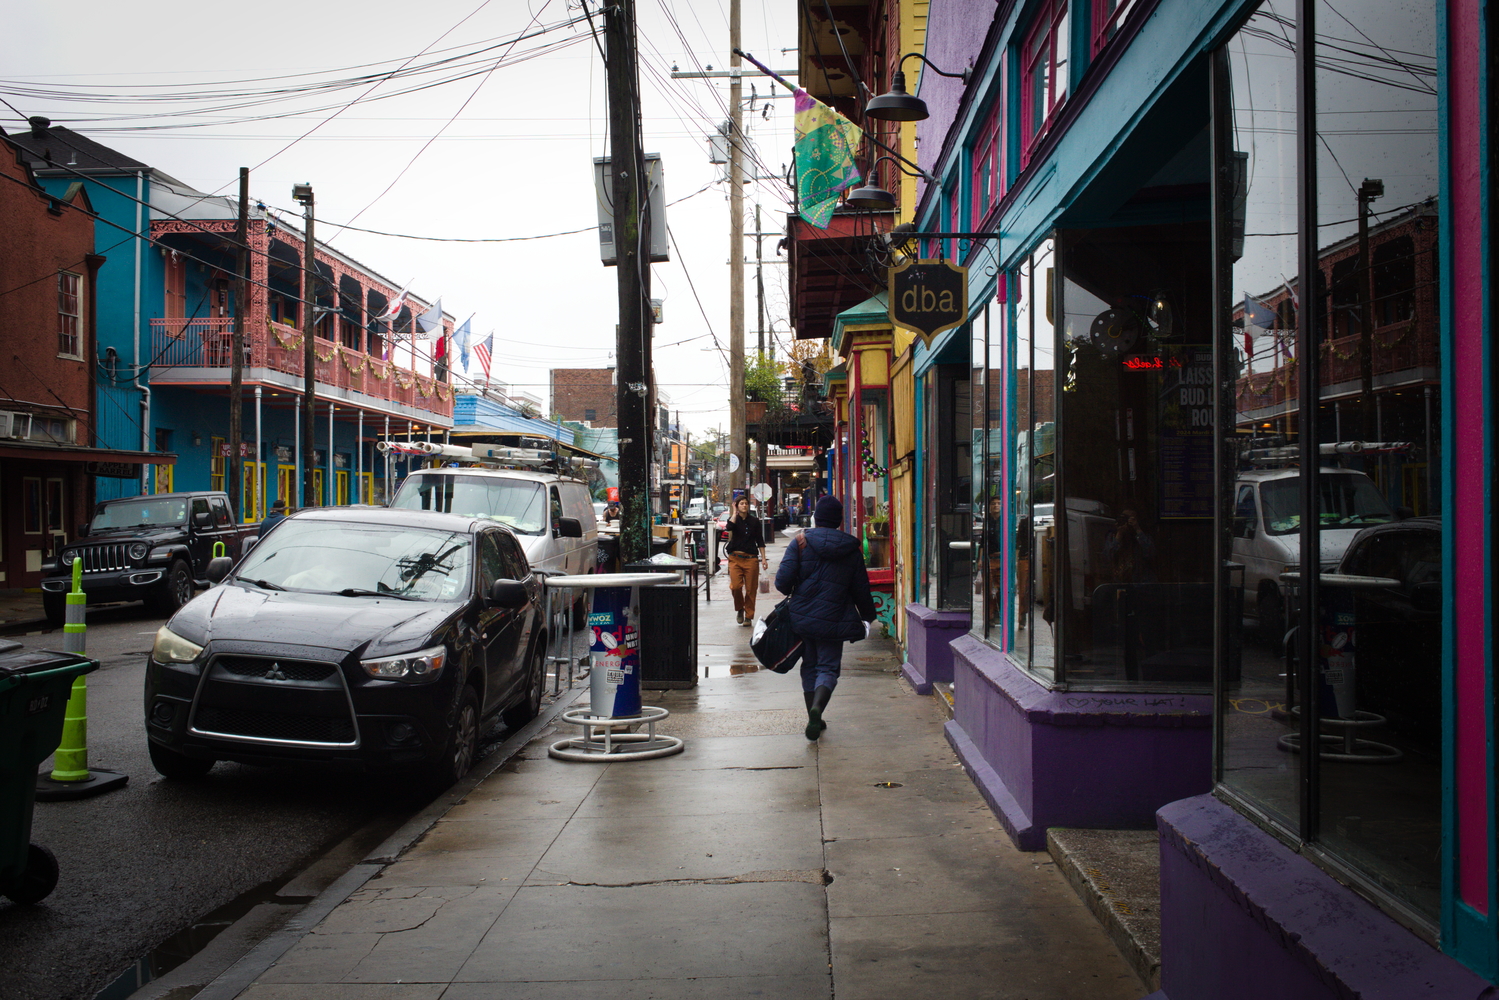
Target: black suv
pixel 153 548
pixel 375 638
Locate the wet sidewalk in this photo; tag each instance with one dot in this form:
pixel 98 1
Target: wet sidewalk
pixel 754 863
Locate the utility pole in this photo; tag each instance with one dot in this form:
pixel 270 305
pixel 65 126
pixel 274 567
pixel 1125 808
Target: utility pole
pixel 303 194
pixel 739 444
pixel 1367 192
pixel 632 245
pixel 237 348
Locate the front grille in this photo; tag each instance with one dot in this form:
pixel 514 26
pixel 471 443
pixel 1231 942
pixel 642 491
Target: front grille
pixel 103 558
pixel 274 726
pixel 268 699
pixel 292 670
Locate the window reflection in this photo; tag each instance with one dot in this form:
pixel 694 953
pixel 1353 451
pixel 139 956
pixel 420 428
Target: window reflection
pixel 1368 697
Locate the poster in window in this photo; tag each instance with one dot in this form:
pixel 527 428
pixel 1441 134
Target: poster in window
pixel 1186 435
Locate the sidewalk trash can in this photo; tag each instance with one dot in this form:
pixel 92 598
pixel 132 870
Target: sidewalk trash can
pixel 668 652
pixel 34 691
pixel 769 528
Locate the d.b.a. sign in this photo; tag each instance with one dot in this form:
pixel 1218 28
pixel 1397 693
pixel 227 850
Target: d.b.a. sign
pixel 928 296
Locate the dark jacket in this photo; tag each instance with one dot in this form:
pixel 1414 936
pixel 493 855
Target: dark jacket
pixel 831 598
pixel 746 536
pixel 271 520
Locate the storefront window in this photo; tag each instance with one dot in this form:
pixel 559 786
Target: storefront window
pixel 1132 570
pixel 1330 557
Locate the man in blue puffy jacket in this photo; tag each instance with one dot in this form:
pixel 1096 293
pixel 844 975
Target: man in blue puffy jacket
pixel 824 572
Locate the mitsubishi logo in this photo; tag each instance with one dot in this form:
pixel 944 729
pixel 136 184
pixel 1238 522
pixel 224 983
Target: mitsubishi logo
pixel 275 674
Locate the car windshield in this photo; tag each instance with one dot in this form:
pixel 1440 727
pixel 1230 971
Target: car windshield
pixel 1344 501
pixel 142 512
pixel 516 503
pixel 330 557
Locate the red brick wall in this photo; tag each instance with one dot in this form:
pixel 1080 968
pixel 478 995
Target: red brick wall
pixel 575 391
pixel 38 244
pixel 42 237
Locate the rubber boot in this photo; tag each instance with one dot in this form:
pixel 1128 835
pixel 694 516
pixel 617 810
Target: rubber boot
pixel 817 701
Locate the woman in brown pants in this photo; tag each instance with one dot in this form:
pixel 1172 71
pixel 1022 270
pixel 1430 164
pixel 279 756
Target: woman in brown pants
pixel 746 552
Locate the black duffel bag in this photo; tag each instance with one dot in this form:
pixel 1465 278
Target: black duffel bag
pixel 774 644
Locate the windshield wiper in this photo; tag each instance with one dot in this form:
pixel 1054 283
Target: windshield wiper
pixel 362 592
pixel 264 584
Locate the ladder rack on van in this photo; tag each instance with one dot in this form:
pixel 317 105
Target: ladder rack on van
pixel 489 455
pixel 1289 454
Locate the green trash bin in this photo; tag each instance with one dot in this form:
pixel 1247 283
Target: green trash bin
pixel 34 691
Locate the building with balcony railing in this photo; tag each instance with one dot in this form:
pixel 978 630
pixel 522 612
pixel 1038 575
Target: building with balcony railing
pixel 167 313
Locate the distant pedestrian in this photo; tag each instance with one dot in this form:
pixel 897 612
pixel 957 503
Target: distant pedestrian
pixel 278 513
pixel 746 550
pixel 611 513
pixel 824 572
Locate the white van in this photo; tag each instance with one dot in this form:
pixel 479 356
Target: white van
pixel 552 516
pixel 1267 530
pixel 696 512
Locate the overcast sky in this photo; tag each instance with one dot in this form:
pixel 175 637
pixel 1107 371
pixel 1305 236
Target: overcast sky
pixel 516 160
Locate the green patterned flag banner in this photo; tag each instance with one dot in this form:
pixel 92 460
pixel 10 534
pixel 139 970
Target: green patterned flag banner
pixel 825 144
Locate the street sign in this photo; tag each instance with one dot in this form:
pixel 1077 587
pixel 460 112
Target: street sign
pixel 760 491
pixel 928 296
pixel 733 463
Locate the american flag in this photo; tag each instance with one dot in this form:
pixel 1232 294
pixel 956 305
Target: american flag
pixel 481 351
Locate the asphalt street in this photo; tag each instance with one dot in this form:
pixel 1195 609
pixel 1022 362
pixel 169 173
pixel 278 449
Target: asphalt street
pixel 146 862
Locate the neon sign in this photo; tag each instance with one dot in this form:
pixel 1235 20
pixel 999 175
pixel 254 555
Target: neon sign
pixel 1144 363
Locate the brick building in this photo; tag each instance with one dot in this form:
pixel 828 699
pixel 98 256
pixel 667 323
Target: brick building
pixel 586 395
pixel 48 419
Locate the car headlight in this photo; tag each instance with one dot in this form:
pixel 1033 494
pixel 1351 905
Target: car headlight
pixel 138 551
pixel 172 648
pixel 67 557
pixel 422 665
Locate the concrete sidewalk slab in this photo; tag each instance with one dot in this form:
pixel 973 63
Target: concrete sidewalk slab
pixel 754 863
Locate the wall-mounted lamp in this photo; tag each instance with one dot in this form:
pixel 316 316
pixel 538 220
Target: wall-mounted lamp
pixel 871 195
pixel 899 106
pixel 197 439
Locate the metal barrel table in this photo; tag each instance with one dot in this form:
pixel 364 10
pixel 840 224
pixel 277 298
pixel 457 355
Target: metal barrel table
pixel 614 711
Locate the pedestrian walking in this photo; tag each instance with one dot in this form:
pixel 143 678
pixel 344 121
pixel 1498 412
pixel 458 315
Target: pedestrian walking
pixel 824 572
pixel 278 513
pixel 746 551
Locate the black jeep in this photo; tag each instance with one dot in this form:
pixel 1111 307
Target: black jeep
pixel 147 548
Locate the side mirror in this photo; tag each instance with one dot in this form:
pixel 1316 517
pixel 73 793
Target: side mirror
pixel 246 544
pixel 1427 596
pixel 219 568
pixel 1404 513
pixel 508 594
pixel 83 529
pixel 1243 527
pixel 569 527
pixel 203 519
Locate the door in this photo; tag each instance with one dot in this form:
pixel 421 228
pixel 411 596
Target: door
pixel 223 527
pixel 317 486
pixel 341 487
pixel 253 501
pixel 201 534
pixel 499 628
pixel 367 487
pixel 286 485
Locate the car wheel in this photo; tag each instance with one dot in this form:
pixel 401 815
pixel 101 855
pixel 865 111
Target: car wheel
pixel 179 767
pixel 463 740
pixel 38 879
pixel 536 682
pixel 1272 614
pixel 54 606
pixel 176 590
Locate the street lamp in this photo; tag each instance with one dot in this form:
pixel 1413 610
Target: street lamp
pixel 899 106
pixel 871 195
pixel 303 195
